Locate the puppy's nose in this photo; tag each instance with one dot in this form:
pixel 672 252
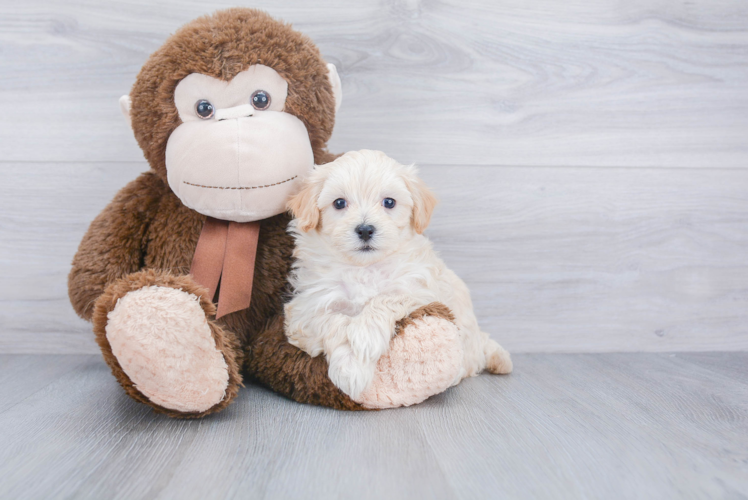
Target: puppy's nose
pixel 364 232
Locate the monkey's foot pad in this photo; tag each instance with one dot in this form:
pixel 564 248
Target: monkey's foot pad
pixel 424 359
pixel 163 342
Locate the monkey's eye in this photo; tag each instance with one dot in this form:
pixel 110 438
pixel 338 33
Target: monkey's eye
pixel 340 204
pixel 260 99
pixel 388 203
pixel 204 109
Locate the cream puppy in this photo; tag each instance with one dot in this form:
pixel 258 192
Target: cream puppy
pixel 362 264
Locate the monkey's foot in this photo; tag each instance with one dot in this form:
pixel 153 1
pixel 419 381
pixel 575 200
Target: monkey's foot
pixel 166 353
pixel 424 359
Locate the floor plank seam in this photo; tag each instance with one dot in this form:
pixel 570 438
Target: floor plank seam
pixel 31 394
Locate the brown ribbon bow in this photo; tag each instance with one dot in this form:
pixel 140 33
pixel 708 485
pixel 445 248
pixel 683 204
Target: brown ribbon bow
pixel 226 252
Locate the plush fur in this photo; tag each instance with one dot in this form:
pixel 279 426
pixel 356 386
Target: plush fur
pixel 146 237
pixel 164 344
pixel 221 46
pixel 433 364
pixel 223 340
pixel 349 291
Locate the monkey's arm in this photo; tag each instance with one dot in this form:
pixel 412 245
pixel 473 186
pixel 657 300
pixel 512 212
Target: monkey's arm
pixel 114 244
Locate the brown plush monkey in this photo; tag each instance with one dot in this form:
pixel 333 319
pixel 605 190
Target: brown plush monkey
pixel 230 113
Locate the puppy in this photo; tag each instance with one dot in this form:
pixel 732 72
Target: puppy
pixel 362 264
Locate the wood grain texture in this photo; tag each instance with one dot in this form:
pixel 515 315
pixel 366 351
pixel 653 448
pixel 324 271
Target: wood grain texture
pixel 616 426
pixel 595 260
pixel 21 376
pixel 503 103
pixel 580 83
pixel 558 259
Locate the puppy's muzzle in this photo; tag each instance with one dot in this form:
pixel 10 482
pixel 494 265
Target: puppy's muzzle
pixel 364 231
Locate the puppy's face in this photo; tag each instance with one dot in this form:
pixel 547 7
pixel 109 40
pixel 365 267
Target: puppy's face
pixel 365 204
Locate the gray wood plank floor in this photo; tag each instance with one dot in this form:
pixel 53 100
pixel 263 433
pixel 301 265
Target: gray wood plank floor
pixel 562 426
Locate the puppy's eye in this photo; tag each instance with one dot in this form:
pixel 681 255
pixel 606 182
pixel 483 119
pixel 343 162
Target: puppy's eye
pixel 260 100
pixel 204 109
pixel 340 203
pixel 388 203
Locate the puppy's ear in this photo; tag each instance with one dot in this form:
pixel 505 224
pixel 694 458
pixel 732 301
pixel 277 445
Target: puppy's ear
pixel 424 200
pixel 303 205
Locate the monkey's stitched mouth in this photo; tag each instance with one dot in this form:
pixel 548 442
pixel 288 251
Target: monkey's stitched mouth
pixel 240 187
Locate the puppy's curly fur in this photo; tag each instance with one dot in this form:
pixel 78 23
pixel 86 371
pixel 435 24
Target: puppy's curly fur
pixel 362 264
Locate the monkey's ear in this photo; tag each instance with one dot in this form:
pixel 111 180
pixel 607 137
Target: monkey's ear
pixel 337 86
pixel 424 200
pixel 303 205
pixel 125 103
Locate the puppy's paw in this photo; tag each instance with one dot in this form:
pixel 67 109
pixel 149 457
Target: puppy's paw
pixel 426 358
pixel 348 373
pixel 368 342
pixel 498 360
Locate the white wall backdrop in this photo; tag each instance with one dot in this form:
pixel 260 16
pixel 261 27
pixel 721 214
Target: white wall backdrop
pixel 591 156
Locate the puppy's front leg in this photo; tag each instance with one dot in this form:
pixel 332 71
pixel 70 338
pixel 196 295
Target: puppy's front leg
pixel 315 331
pixel 370 332
pixel 349 373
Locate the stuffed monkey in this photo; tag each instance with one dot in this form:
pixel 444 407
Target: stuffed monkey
pixel 183 274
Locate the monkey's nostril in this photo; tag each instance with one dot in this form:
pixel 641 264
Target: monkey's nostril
pixel 364 232
pixel 242 111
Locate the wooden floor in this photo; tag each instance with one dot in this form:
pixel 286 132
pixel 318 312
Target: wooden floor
pixel 563 426
pixel 591 157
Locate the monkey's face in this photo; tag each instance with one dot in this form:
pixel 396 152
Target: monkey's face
pixel 236 155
